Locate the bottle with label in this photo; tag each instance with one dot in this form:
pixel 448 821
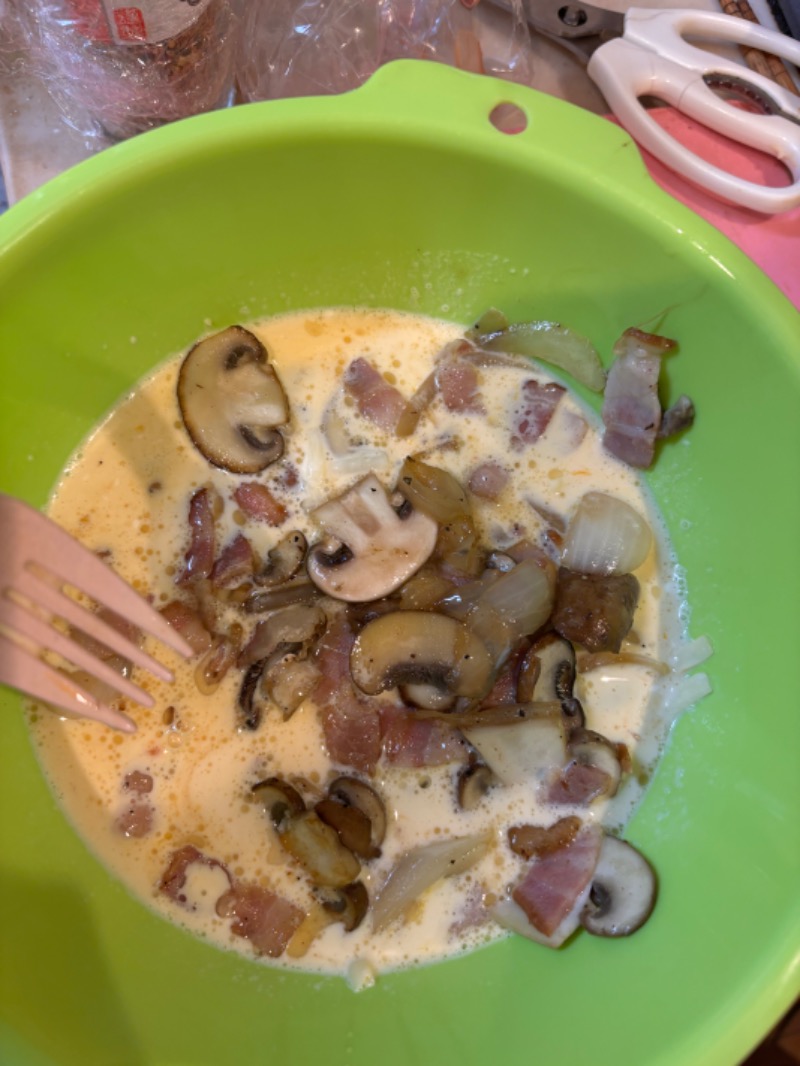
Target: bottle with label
pixel 133 66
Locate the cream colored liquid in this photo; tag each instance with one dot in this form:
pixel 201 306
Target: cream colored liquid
pixel 127 492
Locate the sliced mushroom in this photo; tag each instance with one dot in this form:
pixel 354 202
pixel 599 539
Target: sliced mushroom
pixel 352 826
pixel 588 748
pixel 357 794
pixel 530 751
pixel 372 550
pixel 317 847
pixel 232 401
pixel 293 591
pixel 220 657
pixel 283 561
pixel 298 624
pixel 348 905
pixel 429 697
pixel 280 799
pixel 290 683
pixel 420 647
pixel 473 783
pixel 249 708
pixel 623 891
pixel 548 673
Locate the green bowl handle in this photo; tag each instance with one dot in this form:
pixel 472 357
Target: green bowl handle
pixel 453 104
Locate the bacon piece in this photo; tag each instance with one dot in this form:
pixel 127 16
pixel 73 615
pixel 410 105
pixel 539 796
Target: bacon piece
pixel 187 621
pixel 173 879
pixel 376 399
pixel 137 781
pixel 531 840
pixel 532 416
pixel 631 408
pixel 259 504
pixel 235 563
pixel 458 387
pixel 414 742
pixel 578 784
pixel 350 724
pixel 265 919
pixel 488 480
pixel 554 882
pixel 199 555
pixel 504 689
pixel 136 819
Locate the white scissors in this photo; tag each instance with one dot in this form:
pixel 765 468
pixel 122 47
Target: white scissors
pixel 645 53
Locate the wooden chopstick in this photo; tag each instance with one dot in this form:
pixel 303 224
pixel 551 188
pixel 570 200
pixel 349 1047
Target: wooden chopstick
pixel 767 65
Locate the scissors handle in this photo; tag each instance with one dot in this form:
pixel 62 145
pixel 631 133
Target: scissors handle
pixel 653 59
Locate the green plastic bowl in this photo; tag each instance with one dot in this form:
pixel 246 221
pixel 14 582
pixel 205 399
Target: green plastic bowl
pixel 403 194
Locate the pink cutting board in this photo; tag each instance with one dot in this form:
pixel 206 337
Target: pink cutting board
pixel 771 241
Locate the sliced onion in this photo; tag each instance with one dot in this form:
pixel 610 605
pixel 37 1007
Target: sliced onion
pixel 432 490
pixel 420 868
pixel 605 536
pixel 692 654
pixel 522 597
pixel 551 343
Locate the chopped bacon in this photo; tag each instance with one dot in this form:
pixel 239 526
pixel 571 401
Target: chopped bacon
pixel 265 919
pixel 187 621
pixel 553 883
pixel 488 480
pixel 258 503
pixel 235 563
pixel 262 917
pixel 578 784
pixel 200 553
pixel 531 840
pixel 631 408
pixel 137 781
pixel 532 416
pixel 504 689
pixel 135 819
pixel 458 387
pixel 350 724
pixel 376 399
pixel 173 879
pixel 415 742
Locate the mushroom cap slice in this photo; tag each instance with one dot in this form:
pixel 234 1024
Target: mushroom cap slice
pixel 375 550
pixel 623 891
pixel 420 647
pixel 232 401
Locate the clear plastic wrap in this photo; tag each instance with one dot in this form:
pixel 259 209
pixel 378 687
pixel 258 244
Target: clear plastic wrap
pixel 119 70
pixel 305 47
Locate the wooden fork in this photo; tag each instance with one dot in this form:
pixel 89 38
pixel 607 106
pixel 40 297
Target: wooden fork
pixel 37 559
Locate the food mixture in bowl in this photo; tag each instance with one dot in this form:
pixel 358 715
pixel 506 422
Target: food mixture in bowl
pixel 439 632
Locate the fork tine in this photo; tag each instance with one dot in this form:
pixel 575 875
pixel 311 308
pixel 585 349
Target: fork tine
pixel 19 620
pixel 54 549
pixel 45 595
pixel 24 671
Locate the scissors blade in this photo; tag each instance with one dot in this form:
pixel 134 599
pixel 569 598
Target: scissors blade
pixel 579 28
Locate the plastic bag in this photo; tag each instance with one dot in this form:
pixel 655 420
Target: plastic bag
pixel 119 70
pixel 305 47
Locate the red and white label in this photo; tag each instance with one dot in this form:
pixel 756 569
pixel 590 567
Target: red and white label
pixel 145 22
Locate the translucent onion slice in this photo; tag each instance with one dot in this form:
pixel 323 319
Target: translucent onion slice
pixel 522 597
pixel 432 490
pixel 419 869
pixel 605 536
pixel 551 343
